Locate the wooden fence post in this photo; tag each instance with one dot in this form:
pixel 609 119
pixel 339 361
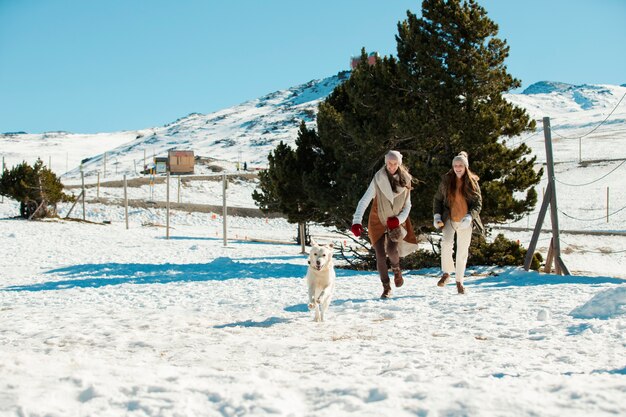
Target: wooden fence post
pixel 167 207
pixel 224 209
pixel 82 178
pixel 125 202
pixel 549 199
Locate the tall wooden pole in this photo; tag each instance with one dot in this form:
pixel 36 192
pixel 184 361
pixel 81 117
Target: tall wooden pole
pixel 167 207
pixel 125 201
pixel 549 198
pixel 533 241
pixel 3 174
pixel 559 265
pixel 224 210
pixel 301 231
pixel 82 178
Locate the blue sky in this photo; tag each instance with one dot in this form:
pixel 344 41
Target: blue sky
pixel 102 66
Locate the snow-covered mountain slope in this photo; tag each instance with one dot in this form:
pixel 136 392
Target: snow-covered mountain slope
pixel 247 132
pixel 243 133
pixel 588 122
pixel 62 151
pixel 588 125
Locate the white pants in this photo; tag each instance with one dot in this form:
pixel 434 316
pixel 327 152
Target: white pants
pixel 463 239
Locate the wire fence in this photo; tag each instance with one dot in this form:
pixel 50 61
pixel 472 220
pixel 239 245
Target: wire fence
pixel 594 195
pixel 596 127
pixel 593 181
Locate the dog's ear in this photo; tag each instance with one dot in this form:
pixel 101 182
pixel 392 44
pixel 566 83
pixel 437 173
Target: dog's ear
pixel 331 245
pixel 313 243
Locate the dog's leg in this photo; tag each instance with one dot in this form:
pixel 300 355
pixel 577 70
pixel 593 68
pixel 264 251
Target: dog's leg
pixel 319 297
pixel 321 300
pixel 311 303
pixel 325 302
pixel 316 303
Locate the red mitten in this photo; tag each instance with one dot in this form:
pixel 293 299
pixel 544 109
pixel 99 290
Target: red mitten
pixel 393 222
pixel 357 229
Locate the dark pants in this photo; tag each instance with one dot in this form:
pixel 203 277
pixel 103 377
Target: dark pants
pixel 381 257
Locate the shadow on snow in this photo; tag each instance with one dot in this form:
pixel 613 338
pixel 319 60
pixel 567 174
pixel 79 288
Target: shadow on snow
pixel 510 277
pixel 250 323
pixel 301 308
pixel 220 269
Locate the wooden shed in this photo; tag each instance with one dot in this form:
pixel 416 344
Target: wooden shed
pixel 181 162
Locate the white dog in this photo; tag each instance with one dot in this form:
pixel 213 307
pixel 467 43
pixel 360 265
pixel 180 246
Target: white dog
pixel 320 278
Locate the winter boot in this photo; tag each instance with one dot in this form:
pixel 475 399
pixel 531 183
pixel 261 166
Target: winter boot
pixel 386 289
pixel 459 287
pixel 444 280
pixel 397 276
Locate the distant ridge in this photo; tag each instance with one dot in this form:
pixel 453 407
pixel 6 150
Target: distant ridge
pixel 547 87
pixel 586 96
pixel 247 132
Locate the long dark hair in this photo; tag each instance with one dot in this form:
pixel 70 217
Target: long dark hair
pixel 469 187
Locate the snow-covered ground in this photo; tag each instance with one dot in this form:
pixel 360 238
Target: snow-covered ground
pixel 585 254
pixel 98 320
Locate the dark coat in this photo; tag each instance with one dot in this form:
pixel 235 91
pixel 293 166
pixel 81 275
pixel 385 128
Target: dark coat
pixel 474 204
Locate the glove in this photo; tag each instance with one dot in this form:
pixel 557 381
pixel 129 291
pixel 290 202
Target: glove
pixel 437 221
pixel 392 222
pixel 357 229
pixel 466 222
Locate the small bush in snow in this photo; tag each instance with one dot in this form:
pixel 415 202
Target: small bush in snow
pixel 36 188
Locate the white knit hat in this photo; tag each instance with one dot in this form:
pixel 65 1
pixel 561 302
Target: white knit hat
pixel 395 155
pixel 462 157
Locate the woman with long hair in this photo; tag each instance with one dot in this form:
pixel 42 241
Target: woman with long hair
pixel 389 228
pixel 456 209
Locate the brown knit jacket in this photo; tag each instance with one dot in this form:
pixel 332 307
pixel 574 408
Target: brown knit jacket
pixel 441 204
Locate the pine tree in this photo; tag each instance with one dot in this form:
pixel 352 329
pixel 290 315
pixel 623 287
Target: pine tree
pixel 442 94
pixel 452 64
pixel 354 125
pixel 281 185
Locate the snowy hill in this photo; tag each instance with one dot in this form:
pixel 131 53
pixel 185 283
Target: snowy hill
pixel 247 132
pixel 244 133
pixel 581 106
pixel 588 130
pixel 101 318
